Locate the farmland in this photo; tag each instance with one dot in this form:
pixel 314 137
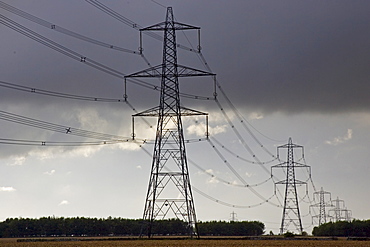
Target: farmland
pixel 182 242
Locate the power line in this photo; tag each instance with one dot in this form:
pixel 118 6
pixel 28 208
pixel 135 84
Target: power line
pixel 158 4
pixel 246 185
pixel 240 157
pixel 81 58
pixel 242 119
pixel 10 117
pixel 199 167
pixel 266 200
pixel 58 128
pixel 205 63
pixel 240 137
pixel 57 94
pixel 205 171
pixel 243 124
pixel 235 111
pixel 309 175
pixel 225 181
pixel 131 23
pixel 232 205
pixel 57 47
pixel 55 143
pixel 54 27
pixel 238 175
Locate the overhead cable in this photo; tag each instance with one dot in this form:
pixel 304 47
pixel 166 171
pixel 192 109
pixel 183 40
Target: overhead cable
pixel 265 200
pixel 57 94
pixel 10 117
pixel 206 195
pixel 130 23
pixel 236 173
pixel 240 157
pixel 240 137
pixel 59 128
pixel 54 27
pixel 225 181
pixel 23 142
pixel 81 58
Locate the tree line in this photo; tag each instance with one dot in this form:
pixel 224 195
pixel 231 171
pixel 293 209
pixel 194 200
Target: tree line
pixel 233 228
pixel 355 228
pixel 81 226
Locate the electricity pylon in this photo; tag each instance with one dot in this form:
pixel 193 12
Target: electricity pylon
pixel 291 213
pixel 322 205
pixel 169 191
pixel 233 217
pixel 341 213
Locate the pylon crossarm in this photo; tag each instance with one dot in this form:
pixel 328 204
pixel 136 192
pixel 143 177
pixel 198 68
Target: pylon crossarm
pixel 184 71
pixel 296 181
pixel 152 112
pixel 162 26
pixel 190 112
pixel 295 164
pixel 281 182
pixel 184 111
pixel 290 146
pixel 155 71
pixel 300 165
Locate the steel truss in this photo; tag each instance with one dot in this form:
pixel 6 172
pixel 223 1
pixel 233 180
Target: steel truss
pixel 291 212
pixel 169 191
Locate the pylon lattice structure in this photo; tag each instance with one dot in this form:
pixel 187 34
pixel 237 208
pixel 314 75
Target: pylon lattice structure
pixel 322 205
pixel 291 212
pixel 169 191
pixel 233 217
pixel 340 212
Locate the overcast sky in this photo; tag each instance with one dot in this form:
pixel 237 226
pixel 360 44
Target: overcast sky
pixel 296 69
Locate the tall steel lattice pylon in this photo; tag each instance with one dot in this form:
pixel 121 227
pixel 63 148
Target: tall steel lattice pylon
pixel 169 192
pixel 322 205
pixel 291 212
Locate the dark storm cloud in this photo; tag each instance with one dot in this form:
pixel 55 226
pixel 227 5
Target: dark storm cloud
pixel 287 56
pixel 296 56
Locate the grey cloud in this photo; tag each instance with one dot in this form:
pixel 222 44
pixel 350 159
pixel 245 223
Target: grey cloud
pixel 270 56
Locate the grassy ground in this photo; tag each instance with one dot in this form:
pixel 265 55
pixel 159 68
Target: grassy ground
pixel 183 243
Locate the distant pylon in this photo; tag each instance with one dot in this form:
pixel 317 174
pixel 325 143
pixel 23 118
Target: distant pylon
pixel 322 205
pixel 291 213
pixel 233 217
pixel 341 213
pixel 169 192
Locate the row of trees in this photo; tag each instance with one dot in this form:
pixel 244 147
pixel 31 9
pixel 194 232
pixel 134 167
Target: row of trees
pixel 81 226
pixel 355 228
pixel 234 228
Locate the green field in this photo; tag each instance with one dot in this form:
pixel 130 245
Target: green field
pixel 183 243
